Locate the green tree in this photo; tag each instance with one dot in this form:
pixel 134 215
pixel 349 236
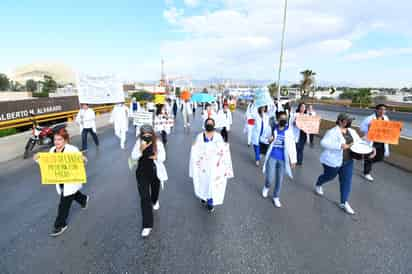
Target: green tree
pixel 49 85
pixel 143 96
pixel 273 89
pixel 4 82
pixel 177 92
pixel 31 85
pixel 307 83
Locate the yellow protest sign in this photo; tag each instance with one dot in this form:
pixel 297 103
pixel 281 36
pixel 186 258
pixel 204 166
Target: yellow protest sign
pixel 309 124
pixel 159 99
pixel 387 132
pixel 62 168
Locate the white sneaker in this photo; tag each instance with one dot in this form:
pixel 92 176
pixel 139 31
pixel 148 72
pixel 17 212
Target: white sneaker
pixel 368 177
pixel 276 202
pixel 319 190
pixel 122 146
pixel 265 192
pixel 146 232
pixel 346 207
pixel 257 163
pixel 156 206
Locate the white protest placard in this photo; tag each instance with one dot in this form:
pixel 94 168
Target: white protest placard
pixel 165 124
pixel 99 89
pixel 142 118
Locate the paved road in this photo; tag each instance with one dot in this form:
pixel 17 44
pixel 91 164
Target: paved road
pixel 247 234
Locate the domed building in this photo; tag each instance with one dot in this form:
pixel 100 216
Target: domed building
pixel 61 73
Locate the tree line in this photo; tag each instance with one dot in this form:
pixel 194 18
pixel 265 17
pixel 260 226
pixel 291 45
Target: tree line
pixel 43 88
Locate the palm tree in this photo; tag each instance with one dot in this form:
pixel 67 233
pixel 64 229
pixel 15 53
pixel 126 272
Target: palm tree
pixel 306 85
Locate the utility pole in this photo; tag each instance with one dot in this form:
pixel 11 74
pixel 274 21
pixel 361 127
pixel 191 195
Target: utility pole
pixel 282 46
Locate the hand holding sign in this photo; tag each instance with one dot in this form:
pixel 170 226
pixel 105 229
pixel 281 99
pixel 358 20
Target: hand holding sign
pixel 62 168
pixel 309 124
pixel 387 132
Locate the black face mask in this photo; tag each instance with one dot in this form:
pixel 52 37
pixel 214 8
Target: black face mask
pixel 282 123
pixel 210 128
pixel 147 139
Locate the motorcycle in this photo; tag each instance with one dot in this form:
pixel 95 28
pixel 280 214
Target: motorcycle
pixel 42 136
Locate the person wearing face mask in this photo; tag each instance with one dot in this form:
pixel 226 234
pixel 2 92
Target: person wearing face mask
pixel 209 112
pixel 250 121
pixel 68 192
pixel 337 160
pixel 300 135
pixel 280 158
pixel 382 150
pixel 162 116
pixel 225 116
pixel 261 133
pixel 210 166
pixel 150 174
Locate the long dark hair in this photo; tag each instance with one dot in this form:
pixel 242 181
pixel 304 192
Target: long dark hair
pixel 299 106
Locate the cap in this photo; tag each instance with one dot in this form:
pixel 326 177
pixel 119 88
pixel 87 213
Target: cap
pixel 146 128
pixel 345 116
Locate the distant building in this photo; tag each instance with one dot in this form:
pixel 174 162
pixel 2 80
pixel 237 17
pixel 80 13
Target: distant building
pixel 61 73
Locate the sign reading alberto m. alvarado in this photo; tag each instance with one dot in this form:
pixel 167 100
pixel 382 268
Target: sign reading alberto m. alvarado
pixel 24 108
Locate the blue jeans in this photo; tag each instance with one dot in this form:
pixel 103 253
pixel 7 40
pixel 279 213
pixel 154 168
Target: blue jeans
pixel 275 171
pixel 345 178
pixel 257 152
pixel 85 131
pixel 300 146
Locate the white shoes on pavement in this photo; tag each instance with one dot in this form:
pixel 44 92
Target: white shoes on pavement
pixel 319 190
pixel 277 203
pixel 156 206
pixel 368 177
pixel 347 208
pixel 265 192
pixel 146 232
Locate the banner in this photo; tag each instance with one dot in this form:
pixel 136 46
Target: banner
pixel 309 124
pixel 262 98
pixel 387 132
pixel 62 168
pixel 160 99
pixel 100 89
pixel 142 117
pixel 163 124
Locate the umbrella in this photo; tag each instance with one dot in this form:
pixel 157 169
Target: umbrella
pixel 203 98
pixel 185 95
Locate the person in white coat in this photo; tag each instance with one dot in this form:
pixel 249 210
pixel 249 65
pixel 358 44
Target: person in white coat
pixel 300 135
pixel 336 159
pixel 68 192
pixel 250 121
pixel 150 174
pixel 186 111
pixel 261 133
pixel 86 119
pixel 225 116
pixel 280 158
pixel 311 112
pixel 382 150
pixel 120 119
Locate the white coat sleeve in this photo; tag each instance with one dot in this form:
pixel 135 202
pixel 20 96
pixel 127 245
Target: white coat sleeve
pixel 161 153
pixel 290 142
pixel 364 126
pixel 136 153
pixel 329 141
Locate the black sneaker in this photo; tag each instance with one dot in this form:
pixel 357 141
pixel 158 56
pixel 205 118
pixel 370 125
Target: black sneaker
pixel 58 231
pixel 210 208
pixel 203 202
pixel 87 202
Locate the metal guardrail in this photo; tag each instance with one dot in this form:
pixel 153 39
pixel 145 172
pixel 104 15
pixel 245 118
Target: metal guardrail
pixel 69 115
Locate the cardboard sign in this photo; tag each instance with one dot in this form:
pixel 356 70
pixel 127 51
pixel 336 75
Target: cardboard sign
pixel 141 118
pixel 160 99
pixel 62 168
pixel 309 124
pixel 387 132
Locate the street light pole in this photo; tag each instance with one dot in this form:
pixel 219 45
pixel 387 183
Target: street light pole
pixel 282 46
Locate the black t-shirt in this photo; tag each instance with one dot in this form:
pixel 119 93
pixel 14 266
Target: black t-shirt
pixel 348 140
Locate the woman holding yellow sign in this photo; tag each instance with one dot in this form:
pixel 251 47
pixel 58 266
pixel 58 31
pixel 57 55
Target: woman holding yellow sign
pixel 68 192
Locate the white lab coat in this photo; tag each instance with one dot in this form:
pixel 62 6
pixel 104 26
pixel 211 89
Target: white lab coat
pixel 69 188
pixel 86 119
pixel 292 122
pixel 332 142
pixel 364 127
pixel 289 151
pixel 120 118
pixel 267 130
pixel 187 110
pixel 161 157
pixel 225 119
pixel 210 166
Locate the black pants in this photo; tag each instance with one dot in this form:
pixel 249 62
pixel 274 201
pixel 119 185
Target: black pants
pixel 148 187
pixel 311 138
pixel 224 134
pixel 300 146
pixel 380 154
pixel 64 207
pixel 164 137
pixel 85 132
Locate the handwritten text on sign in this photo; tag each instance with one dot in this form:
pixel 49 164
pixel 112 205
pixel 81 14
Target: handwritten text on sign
pixel 62 168
pixel 387 132
pixel 309 124
pixel 141 118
